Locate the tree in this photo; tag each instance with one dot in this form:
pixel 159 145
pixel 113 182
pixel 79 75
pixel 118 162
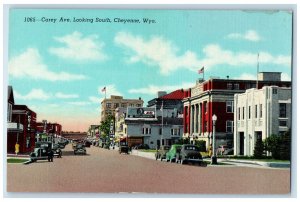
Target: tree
pixel 272 145
pixel 259 149
pixel 285 146
pixel 201 144
pixel 105 127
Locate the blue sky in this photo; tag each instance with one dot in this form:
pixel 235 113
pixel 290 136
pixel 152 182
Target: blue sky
pixel 58 69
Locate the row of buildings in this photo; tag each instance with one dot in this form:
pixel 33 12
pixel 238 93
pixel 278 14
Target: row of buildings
pixel 23 128
pixel 246 110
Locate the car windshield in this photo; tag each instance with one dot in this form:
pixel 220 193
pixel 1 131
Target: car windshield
pixel 79 146
pixel 36 150
pixel 193 148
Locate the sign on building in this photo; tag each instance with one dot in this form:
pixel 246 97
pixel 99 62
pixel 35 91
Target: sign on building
pixel 141 113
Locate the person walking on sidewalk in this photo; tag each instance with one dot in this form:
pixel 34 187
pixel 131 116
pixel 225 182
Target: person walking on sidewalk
pixel 17 148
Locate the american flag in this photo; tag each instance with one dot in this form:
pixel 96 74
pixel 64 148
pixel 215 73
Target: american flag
pixel 200 71
pixel 103 89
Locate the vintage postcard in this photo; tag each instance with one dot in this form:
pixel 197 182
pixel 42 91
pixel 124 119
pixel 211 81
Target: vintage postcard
pixel 164 101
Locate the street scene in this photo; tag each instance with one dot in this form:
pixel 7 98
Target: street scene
pixel 149 101
pixel 107 171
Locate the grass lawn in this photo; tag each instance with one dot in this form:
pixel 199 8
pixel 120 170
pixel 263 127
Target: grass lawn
pixel 16 160
pixel 148 150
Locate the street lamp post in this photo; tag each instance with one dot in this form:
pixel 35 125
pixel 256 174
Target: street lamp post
pixel 214 157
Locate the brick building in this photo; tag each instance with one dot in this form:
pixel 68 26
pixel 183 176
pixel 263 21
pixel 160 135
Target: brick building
pixel 21 125
pixel 216 96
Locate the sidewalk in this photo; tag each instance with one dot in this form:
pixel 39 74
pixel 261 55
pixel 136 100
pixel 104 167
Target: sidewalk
pixel 11 155
pixel 238 162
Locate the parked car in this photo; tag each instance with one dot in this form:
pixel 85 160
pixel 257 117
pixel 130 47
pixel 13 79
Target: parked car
pixel 56 150
pixel 79 149
pixel 171 154
pixel 189 153
pixel 87 143
pixel 123 148
pixel 161 153
pixel 39 154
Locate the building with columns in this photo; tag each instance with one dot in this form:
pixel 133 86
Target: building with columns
pixel 260 113
pixel 216 96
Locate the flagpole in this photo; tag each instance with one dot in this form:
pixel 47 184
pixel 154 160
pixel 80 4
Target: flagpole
pixel 162 121
pixel 203 74
pixel 257 70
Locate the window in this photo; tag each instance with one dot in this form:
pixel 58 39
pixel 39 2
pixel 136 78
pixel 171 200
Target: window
pixel 282 110
pixel 282 123
pixel 125 130
pixel 108 105
pixel 236 86
pixel 229 86
pixel 123 105
pixel 160 131
pixel 205 126
pixel 131 105
pixel 175 131
pixel 146 131
pixel 229 106
pixel 9 112
pixel 172 132
pixel 239 113
pixel 206 107
pixel 249 112
pixel 116 105
pixel 138 105
pixel 256 111
pixel 243 113
pixel 260 110
pixel 274 91
pixel 229 126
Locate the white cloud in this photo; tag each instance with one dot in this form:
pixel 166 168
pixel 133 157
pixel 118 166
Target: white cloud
pixel 246 76
pixel 94 99
pixel 78 103
pixel 249 35
pixel 285 77
pixel 152 89
pixel 65 96
pixel 162 53
pixel 29 64
pixel 34 94
pixel 214 55
pixel 110 90
pixel 157 51
pixel 80 48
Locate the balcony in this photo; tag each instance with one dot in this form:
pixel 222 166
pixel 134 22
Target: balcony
pixel 13 127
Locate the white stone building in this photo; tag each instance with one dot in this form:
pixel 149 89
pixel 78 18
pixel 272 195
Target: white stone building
pixel 259 113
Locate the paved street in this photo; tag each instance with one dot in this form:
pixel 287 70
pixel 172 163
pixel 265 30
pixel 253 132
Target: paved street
pixel 106 171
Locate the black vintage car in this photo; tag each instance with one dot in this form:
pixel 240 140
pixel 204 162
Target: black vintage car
pixel 161 153
pixel 79 149
pixel 189 153
pixel 40 154
pixel 123 148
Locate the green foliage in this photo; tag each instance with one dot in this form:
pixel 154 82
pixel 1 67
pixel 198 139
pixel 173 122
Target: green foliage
pixel 104 127
pixel 183 141
pixel 259 149
pixel 14 160
pixel 201 144
pixel 279 146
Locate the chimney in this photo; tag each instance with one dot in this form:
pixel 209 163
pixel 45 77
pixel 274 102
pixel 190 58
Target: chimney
pixel 161 93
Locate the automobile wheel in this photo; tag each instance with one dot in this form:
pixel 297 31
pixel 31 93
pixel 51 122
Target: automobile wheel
pixel 182 161
pixel 170 160
pixel 161 159
pixel 156 157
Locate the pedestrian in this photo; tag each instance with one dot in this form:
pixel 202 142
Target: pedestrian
pixel 17 148
pixel 50 156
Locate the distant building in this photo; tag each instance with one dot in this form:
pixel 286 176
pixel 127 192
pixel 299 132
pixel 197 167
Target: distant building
pixel 94 131
pixel 216 96
pixel 21 126
pixel 144 125
pixel 108 106
pixel 47 131
pixel 260 113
